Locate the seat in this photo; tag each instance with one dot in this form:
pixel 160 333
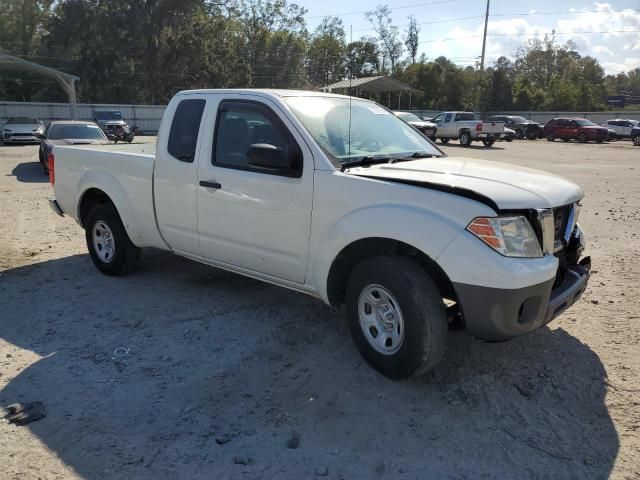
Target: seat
pixel 233 142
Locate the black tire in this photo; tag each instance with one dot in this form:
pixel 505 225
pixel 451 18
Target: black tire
pixel 509 139
pixel 490 142
pixel 465 138
pixel 636 140
pixel 582 138
pixel 422 309
pixel 532 135
pixel 125 255
pixel 444 141
pixel 519 134
pixel 599 141
pixel 565 139
pixel 550 138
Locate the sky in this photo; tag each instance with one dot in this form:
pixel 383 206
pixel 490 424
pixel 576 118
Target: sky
pixel 608 31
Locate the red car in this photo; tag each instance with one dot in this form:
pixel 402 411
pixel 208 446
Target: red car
pixel 578 129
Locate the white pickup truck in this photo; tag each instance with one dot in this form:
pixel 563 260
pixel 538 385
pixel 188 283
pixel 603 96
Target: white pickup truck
pixel 464 127
pixel 340 199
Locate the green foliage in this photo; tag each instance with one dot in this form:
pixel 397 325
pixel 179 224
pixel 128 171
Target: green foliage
pixel 144 51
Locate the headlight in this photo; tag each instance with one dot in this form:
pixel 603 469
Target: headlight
pixel 509 236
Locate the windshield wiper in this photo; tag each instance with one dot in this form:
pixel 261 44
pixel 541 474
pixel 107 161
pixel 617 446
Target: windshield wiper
pixel 372 160
pixel 369 160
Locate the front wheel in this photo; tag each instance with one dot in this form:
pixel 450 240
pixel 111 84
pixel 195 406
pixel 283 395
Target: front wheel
pixel 550 138
pixel 519 134
pixel 396 316
pixel 110 248
pixel 490 142
pixel 582 138
pixel 636 140
pixel 444 141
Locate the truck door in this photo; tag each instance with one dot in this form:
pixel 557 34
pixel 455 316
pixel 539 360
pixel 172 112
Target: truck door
pixel 176 174
pixel 447 127
pixel 254 218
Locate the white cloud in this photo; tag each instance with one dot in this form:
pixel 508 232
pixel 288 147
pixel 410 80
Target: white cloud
pixel 506 35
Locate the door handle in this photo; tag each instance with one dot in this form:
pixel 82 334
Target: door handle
pixel 206 184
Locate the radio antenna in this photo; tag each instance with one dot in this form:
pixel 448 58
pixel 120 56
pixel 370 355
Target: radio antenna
pixel 350 76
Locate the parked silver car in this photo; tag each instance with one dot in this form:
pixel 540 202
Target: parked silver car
pixel 622 127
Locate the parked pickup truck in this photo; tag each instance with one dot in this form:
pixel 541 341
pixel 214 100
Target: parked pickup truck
pixel 464 127
pixel 340 199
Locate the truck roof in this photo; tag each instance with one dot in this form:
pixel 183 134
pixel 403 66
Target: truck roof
pixel 268 91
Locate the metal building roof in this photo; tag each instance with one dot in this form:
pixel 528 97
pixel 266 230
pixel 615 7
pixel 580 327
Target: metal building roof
pixel 370 84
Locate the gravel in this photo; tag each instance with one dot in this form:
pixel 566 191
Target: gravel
pixel 212 354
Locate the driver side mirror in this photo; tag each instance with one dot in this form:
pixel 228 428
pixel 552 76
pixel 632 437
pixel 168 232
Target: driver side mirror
pixel 267 156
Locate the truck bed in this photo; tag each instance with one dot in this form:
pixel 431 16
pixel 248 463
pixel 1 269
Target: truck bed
pixel 127 172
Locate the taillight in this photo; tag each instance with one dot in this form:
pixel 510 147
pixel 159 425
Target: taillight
pixel 51 163
pixel 479 127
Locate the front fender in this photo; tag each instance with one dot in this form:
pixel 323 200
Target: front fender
pixel 423 229
pixel 106 182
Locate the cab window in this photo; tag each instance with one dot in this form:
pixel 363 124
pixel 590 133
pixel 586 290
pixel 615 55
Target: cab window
pixel 241 124
pixel 183 136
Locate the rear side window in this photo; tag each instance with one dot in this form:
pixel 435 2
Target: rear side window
pixel 462 117
pixel 183 136
pixel 447 118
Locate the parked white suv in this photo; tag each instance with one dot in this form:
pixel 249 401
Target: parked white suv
pixel 621 127
pixel 338 198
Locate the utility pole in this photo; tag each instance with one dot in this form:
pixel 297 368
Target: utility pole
pixel 484 38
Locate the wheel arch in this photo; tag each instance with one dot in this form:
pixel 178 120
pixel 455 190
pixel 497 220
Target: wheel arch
pixel 99 187
pixel 362 249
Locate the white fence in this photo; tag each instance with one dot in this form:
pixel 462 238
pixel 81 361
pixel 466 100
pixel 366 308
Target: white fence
pixel 145 117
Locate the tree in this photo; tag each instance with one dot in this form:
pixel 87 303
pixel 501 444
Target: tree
pixel 326 56
pixel 412 38
pixel 388 34
pixel 363 58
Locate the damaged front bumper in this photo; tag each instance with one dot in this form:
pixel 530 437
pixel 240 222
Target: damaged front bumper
pixel 500 313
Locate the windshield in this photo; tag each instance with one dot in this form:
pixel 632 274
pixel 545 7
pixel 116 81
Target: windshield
pixel 375 131
pixel 108 115
pixel 408 117
pixel 585 123
pixel 77 132
pixel 22 121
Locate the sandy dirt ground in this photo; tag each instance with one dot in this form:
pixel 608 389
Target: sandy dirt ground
pixel 181 371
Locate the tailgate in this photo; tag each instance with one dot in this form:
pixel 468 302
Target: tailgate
pixel 492 127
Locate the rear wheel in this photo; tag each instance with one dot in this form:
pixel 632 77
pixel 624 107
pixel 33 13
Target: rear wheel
pixel 396 316
pixel 488 142
pixel 599 141
pixel 582 138
pixel 519 134
pixel 465 138
pixel 110 248
pixel 550 138
pixel 565 139
pixel 444 141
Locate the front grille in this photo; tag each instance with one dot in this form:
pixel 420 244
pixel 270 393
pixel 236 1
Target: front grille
pixel 561 217
pixel 22 134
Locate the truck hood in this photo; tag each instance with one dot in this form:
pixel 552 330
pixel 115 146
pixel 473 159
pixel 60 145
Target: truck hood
pixel 501 185
pixel 20 128
pixel 423 124
pixel 78 141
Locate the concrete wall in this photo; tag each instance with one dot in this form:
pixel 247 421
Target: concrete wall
pixel 145 117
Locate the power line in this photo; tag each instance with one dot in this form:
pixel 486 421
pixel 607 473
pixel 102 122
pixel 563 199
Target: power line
pixel 393 9
pixel 515 14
